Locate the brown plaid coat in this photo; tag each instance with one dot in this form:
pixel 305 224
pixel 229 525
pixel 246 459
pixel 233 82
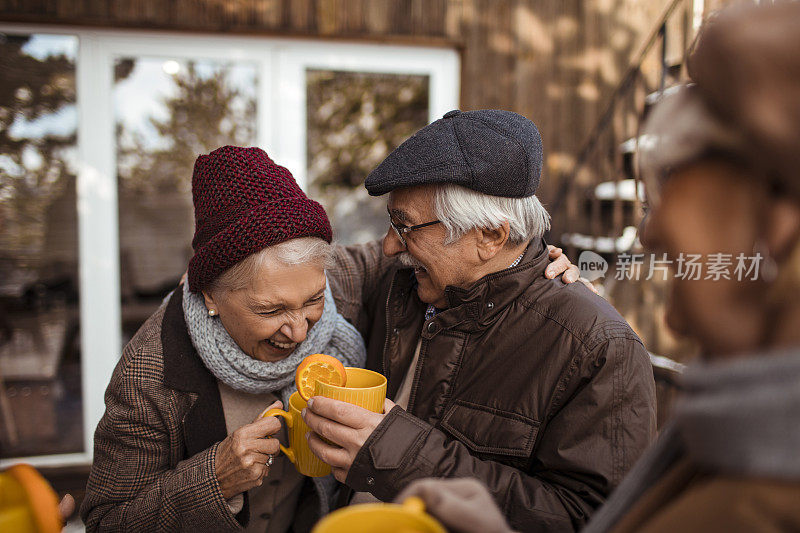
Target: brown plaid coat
pixel 155 446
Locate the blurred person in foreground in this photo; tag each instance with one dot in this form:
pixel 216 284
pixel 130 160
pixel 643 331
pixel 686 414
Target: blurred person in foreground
pixel 723 176
pixel 181 446
pixel 540 390
pixel 722 167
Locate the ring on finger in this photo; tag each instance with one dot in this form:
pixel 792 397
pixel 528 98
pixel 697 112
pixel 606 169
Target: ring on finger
pixel 270 459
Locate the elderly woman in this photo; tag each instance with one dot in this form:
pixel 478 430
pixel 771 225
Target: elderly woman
pixel 722 166
pixel 181 445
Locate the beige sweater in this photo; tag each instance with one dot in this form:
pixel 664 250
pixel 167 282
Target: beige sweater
pixel 273 504
pixel 402 398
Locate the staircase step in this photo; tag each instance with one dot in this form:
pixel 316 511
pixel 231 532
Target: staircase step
pixel 666 370
pixel 652 98
pixel 623 190
pixel 602 244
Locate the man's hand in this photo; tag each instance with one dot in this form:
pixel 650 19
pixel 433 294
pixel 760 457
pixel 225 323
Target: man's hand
pixel 561 265
pixel 346 425
pixel 241 461
pixel 462 504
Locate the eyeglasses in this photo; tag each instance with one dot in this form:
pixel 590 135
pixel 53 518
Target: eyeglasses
pixel 401 230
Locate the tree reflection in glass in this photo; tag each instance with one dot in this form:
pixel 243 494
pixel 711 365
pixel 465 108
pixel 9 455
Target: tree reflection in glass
pixel 40 381
pixel 168 112
pixel 354 119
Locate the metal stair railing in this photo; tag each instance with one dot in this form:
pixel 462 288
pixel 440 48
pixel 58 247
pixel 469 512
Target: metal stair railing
pixel 605 147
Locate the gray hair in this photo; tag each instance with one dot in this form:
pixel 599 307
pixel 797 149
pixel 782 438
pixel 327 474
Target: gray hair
pixel 300 251
pixel 462 210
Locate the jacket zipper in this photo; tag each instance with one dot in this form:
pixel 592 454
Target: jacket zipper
pixel 384 362
pixel 417 371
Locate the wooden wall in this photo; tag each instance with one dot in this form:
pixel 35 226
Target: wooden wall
pixel 555 61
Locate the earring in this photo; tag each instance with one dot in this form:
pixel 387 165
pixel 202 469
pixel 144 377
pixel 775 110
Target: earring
pixel 212 312
pixel 769 268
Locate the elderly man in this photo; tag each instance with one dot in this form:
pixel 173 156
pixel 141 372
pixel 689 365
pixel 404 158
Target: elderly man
pixel 538 389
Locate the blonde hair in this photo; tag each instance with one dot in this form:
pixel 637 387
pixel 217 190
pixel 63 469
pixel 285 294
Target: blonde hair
pixel 300 251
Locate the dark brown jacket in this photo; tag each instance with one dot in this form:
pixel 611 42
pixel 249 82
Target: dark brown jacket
pixel 541 390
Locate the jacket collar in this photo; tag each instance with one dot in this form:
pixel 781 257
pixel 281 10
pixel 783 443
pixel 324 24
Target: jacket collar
pixel 478 305
pixel 204 423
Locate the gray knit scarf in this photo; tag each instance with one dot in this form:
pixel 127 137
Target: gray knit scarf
pixel 331 335
pixel 739 417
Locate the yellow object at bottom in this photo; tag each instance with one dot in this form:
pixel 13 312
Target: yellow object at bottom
pixel 27 502
pixel 409 517
pixel 364 388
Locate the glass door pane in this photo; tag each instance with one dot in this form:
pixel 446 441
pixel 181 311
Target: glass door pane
pixel 354 119
pixel 169 111
pixel 40 354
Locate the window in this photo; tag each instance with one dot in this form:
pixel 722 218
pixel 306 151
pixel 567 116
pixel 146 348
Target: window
pixel 107 167
pixel 168 111
pixel 354 119
pixel 40 353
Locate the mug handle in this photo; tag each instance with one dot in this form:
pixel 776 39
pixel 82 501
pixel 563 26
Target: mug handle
pixel 286 416
pixel 414 505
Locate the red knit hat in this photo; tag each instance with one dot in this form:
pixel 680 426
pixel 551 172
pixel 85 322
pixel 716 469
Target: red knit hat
pixel 244 202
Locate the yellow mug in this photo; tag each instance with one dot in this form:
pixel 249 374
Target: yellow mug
pixel 298 451
pixel 364 388
pixel 28 503
pixel 408 517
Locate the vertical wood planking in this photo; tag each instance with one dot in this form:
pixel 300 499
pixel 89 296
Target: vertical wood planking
pixel 618 136
pixel 555 61
pixel 376 17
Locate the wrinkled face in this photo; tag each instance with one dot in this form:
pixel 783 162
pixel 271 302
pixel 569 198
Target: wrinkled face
pixel 273 314
pixel 436 265
pixel 707 208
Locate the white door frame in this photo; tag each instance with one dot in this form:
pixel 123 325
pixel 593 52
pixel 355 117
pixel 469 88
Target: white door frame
pixel 281 127
pixel 294 59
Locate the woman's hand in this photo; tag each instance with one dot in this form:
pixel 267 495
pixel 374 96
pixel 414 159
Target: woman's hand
pixel 66 507
pixel 560 264
pixel 241 461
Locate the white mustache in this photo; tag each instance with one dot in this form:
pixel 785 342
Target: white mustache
pixel 407 260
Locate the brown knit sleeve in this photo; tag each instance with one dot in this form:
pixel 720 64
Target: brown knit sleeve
pixel 359 272
pixel 140 478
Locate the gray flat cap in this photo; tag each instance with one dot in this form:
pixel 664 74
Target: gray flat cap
pixel 491 151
